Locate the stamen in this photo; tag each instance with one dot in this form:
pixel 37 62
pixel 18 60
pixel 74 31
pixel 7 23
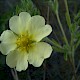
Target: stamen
pixel 24 42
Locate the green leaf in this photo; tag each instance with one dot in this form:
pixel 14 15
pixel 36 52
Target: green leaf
pixel 68 20
pixel 55 43
pixel 77 44
pixel 57 49
pixel 52 42
pixel 26 5
pixel 74 28
pixel 65 56
pixel 77 36
pixel 77 16
pixel 67 49
pixel 54 6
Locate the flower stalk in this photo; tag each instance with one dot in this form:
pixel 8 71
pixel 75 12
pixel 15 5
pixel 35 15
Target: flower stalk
pixel 14 74
pixel 73 64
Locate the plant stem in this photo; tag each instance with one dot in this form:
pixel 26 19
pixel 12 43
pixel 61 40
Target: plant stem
pixel 44 67
pixel 74 70
pixel 67 12
pixel 14 74
pixel 72 43
pixel 51 42
pixel 73 64
pixel 61 29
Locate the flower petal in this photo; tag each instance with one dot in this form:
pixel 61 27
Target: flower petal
pixel 8 36
pixel 43 32
pixel 17 59
pixel 8 42
pixel 5 48
pixel 25 17
pixel 35 23
pixel 11 59
pixel 37 27
pixel 22 62
pixel 18 24
pixel 35 59
pixel 40 51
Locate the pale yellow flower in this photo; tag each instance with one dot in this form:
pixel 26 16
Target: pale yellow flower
pixel 22 43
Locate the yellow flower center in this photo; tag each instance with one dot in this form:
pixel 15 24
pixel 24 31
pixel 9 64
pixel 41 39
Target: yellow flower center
pixel 24 42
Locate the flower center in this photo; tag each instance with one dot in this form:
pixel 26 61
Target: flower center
pixel 24 43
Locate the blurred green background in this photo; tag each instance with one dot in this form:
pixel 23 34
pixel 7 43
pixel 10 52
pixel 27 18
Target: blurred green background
pixel 55 67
